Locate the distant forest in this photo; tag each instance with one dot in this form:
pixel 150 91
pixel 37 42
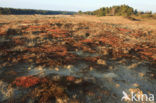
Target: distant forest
pixel 122 10
pixel 7 11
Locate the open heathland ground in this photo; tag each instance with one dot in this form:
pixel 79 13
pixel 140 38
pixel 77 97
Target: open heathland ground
pixel 75 58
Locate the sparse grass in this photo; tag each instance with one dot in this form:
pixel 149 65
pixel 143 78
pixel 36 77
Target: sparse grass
pixel 63 40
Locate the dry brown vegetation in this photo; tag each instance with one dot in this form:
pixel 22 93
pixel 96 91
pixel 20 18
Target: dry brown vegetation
pixel 54 40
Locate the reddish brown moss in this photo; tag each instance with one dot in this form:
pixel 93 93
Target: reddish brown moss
pixel 28 81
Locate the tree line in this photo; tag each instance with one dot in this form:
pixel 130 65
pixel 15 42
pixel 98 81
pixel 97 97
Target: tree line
pixel 7 11
pixel 122 10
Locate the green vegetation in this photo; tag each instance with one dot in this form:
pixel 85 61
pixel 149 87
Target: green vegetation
pixel 80 12
pixel 145 15
pixel 7 11
pixel 122 10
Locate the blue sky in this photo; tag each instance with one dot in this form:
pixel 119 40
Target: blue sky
pixel 75 5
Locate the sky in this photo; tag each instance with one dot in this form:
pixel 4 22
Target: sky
pixel 76 5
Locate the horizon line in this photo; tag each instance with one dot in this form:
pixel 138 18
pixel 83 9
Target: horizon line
pixel 77 10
